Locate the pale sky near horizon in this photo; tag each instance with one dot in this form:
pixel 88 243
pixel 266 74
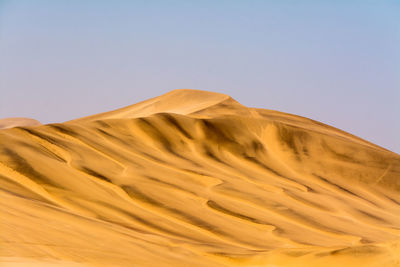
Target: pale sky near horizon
pixel 335 61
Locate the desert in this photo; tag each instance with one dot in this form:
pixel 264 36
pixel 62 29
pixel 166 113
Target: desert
pixel 194 178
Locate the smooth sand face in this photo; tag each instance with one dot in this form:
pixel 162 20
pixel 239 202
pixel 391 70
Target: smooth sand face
pixel 193 178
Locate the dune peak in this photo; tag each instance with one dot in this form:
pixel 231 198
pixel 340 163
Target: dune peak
pixel 196 93
pixel 179 101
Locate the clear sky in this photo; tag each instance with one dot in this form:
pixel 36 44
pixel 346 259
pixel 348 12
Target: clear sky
pixel 335 61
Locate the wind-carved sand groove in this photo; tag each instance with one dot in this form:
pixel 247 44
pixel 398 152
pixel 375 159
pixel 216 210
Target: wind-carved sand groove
pixel 193 178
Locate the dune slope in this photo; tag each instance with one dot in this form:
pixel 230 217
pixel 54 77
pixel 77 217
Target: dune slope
pixel 193 178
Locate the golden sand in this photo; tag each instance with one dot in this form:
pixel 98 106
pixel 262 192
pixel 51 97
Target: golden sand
pixel 193 178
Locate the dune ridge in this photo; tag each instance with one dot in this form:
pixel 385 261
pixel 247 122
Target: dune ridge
pixel 194 178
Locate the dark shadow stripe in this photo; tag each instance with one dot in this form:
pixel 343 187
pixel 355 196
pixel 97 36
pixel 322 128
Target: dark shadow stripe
pixel 20 165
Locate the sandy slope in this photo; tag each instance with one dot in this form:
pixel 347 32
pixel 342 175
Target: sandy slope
pixel 193 178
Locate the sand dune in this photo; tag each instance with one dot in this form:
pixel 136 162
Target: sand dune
pixel 194 178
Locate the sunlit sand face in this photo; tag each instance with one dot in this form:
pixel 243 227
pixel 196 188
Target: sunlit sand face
pixel 193 178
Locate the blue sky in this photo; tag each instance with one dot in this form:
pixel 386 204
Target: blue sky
pixel 335 61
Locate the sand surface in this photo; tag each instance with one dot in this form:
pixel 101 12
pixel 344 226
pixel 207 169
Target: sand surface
pixel 193 178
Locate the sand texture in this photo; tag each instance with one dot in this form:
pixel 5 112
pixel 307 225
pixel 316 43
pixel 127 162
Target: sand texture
pixel 194 178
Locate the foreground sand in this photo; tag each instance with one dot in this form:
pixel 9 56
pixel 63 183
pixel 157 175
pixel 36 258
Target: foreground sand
pixel 194 178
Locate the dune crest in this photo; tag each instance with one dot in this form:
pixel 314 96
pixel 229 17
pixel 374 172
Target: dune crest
pixel 194 178
pixel 180 101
